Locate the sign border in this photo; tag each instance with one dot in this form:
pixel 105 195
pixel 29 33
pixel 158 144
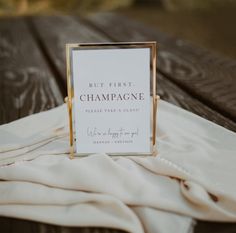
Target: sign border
pixel 152 45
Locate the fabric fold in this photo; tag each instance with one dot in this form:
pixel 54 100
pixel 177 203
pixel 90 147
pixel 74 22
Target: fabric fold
pixel 191 177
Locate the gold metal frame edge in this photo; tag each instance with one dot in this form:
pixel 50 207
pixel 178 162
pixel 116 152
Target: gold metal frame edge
pixel 148 44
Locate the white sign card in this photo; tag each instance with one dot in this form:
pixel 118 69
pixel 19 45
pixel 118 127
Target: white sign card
pixel 111 98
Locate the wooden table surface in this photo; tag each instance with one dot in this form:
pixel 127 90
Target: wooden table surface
pixel 33 79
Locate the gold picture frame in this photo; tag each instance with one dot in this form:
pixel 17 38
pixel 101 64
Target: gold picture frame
pixel 69 99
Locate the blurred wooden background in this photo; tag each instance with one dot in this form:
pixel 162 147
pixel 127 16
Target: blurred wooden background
pixel 19 7
pixel 206 23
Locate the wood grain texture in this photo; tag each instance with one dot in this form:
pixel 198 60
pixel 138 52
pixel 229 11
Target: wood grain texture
pixel 55 32
pixel 172 93
pixel 26 83
pixel 208 77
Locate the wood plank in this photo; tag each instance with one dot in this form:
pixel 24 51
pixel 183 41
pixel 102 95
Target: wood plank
pixel 55 32
pixel 172 93
pixel 212 227
pixel 208 77
pixel 10 225
pixel 26 83
pixel 27 86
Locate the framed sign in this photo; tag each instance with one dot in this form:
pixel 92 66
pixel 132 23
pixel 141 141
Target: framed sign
pixel 109 98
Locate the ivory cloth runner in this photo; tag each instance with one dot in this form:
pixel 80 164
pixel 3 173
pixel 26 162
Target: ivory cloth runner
pixel 193 176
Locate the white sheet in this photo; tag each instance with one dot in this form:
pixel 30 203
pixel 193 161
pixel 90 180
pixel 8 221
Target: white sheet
pixel 193 176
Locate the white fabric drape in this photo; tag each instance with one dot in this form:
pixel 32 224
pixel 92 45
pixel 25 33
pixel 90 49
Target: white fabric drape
pixel 193 176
